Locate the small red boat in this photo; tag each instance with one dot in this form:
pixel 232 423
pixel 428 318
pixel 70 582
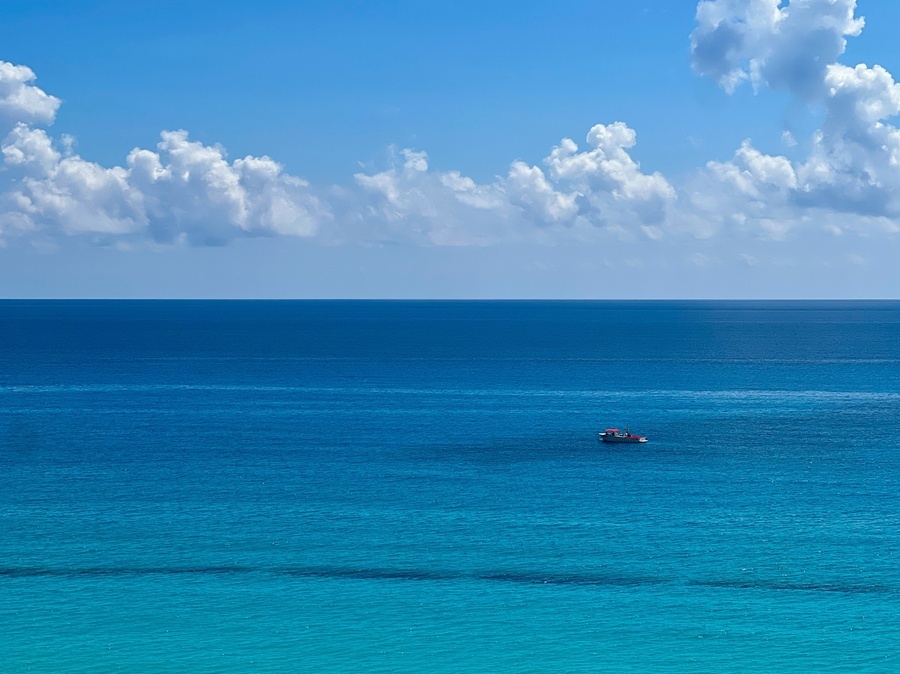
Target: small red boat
pixel 615 435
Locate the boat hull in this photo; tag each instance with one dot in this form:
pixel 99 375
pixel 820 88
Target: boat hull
pixel 615 439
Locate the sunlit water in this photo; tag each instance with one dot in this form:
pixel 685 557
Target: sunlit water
pixel 411 487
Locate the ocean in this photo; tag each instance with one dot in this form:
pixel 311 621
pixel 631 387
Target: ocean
pixel 363 486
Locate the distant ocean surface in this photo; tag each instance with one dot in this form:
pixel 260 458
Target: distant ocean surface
pixel 419 487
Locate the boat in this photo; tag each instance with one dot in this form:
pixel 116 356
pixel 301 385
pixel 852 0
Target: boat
pixel 615 435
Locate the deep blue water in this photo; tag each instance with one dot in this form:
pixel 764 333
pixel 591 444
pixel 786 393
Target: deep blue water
pixel 418 486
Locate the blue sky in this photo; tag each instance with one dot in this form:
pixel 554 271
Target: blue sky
pixel 406 149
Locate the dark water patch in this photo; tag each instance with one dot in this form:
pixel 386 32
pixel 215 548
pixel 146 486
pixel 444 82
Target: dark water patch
pixel 583 579
pixel 779 585
pixel 371 574
pixel 102 571
pixel 538 578
pixel 344 573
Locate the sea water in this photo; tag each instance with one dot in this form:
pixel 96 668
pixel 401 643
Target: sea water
pixel 419 487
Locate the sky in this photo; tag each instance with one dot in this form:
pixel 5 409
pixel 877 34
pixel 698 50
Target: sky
pixel 612 149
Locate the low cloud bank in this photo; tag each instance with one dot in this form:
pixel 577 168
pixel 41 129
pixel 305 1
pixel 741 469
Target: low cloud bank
pixel 183 191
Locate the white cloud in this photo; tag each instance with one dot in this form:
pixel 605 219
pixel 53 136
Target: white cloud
pixel 539 200
pixel 186 191
pixel 788 139
pixel 609 180
pixel 700 259
pixel 599 187
pixel 191 190
pixel 853 168
pixel 30 150
pixel 182 191
pixel 771 43
pixel 409 202
pixel 21 101
pixel 860 96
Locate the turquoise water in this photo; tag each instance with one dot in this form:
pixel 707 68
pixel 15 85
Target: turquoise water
pixel 408 487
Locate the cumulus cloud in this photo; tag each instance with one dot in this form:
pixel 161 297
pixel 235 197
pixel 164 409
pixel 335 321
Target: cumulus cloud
pixel 21 100
pixel 537 198
pixel 191 190
pixel 601 187
pixel 612 188
pixel 410 202
pixel 849 179
pixel 853 168
pixel 181 191
pixel 771 43
pixel 186 191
